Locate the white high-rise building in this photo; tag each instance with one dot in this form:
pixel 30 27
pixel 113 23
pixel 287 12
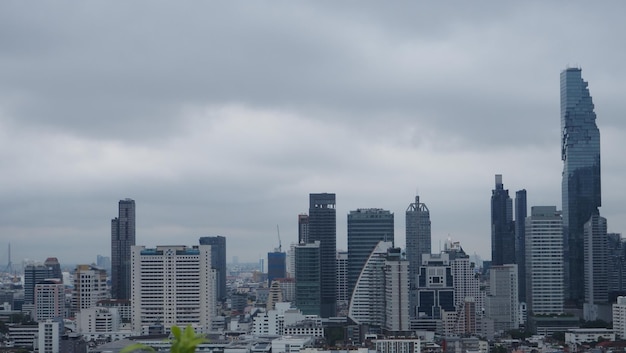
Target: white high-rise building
pixel 619 317
pixel 48 340
pixel 468 299
pixel 397 319
pixel 49 300
pixel 90 286
pixel 172 285
pixel 544 260
pixel 502 303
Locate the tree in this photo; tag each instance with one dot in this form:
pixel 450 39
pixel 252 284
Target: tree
pixel 182 342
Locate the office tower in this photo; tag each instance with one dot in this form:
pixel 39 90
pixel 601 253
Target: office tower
pixel 343 295
pixel 596 260
pixel 90 287
pixel 323 228
pixel 33 274
pixel 49 300
pixel 276 266
pixel 122 238
pixel 544 261
pixel 502 303
pixel 366 227
pixel 54 268
pixel 218 262
pixel 468 299
pixel 580 152
pixel 617 264
pixel 435 291
pixel 396 269
pixel 502 226
pixel 308 278
pixel 521 212
pixel 303 228
pixel 173 285
pixel 367 305
pixel 291 261
pixel 418 242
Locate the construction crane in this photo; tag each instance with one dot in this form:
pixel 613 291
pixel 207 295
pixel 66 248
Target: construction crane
pixel 280 246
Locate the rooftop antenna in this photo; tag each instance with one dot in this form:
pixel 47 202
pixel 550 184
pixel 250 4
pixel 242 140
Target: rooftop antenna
pixel 9 268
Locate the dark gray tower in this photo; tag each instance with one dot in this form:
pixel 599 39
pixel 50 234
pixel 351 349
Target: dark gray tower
pixel 323 228
pixel 218 262
pixel 122 238
pixel 502 227
pixel 366 227
pixel 418 242
pixel 521 212
pixel 580 152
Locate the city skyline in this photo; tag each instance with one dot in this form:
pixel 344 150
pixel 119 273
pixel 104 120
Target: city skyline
pixel 227 122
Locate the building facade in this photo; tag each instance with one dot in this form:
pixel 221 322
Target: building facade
pixel 276 266
pixel 502 226
pixel 173 285
pixel 49 300
pixel 580 152
pixel 596 261
pixel 418 242
pixel 218 262
pixel 323 228
pixel 521 212
pixel 308 278
pixel 544 261
pixel 122 238
pixel 366 227
pixel 397 318
pixel 90 287
pixel 502 303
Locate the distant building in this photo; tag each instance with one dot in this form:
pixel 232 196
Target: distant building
pixel 303 228
pixel 502 226
pixel 54 268
pixel 343 294
pixel 98 319
pixel 396 286
pixel 502 303
pixel 418 242
pixel 617 264
pixel 596 279
pixel 619 317
pixel 580 152
pixel 49 300
pixel 90 287
pixel 122 238
pixel 33 274
pixel 323 228
pixel 366 227
pixel 276 266
pixel 521 212
pixel 218 262
pixel 308 278
pixel 173 285
pixel 49 337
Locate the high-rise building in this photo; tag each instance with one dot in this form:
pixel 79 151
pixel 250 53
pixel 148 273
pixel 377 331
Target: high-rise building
pixel 435 291
pixel 276 266
pixel 49 300
pixel 90 287
pixel 596 261
pixel 418 242
pixel 580 152
pixel 502 226
pixel 308 278
pixel 54 268
pixel 617 264
pixel 397 318
pixel 619 317
pixel 544 261
pixel 122 238
pixel 521 212
pixel 49 337
pixel 366 228
pixel 303 228
pixel 468 299
pixel 343 295
pixel 502 303
pixel 173 285
pixel 323 228
pixel 218 262
pixel 367 305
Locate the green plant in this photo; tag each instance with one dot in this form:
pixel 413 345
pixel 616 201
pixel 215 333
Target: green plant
pixel 182 342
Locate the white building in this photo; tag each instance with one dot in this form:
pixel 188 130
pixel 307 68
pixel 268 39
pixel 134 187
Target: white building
pixel 619 317
pixel 98 319
pixel 367 305
pixel 90 286
pixel 544 260
pixel 172 285
pixel 501 304
pixel 468 299
pixel 48 337
pixel 49 300
pixel 291 344
pixel 398 346
pixel 578 336
pixel 397 318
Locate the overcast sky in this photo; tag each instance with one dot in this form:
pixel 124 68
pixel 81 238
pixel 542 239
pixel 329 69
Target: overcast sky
pixel 219 118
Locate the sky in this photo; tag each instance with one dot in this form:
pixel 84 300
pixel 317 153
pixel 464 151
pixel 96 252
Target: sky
pixel 220 117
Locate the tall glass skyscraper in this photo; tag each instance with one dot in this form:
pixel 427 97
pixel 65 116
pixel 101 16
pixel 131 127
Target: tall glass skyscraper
pixel 521 211
pixel 502 226
pixel 418 242
pixel 580 152
pixel 122 238
pixel 323 228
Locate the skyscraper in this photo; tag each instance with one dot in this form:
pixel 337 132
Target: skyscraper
pixel 303 228
pixel 418 241
pixel 544 260
pixel 323 228
pixel 122 238
pixel 276 266
pixel 308 278
pixel 502 226
pixel 580 152
pixel 521 211
pixel 366 227
pixel 218 262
